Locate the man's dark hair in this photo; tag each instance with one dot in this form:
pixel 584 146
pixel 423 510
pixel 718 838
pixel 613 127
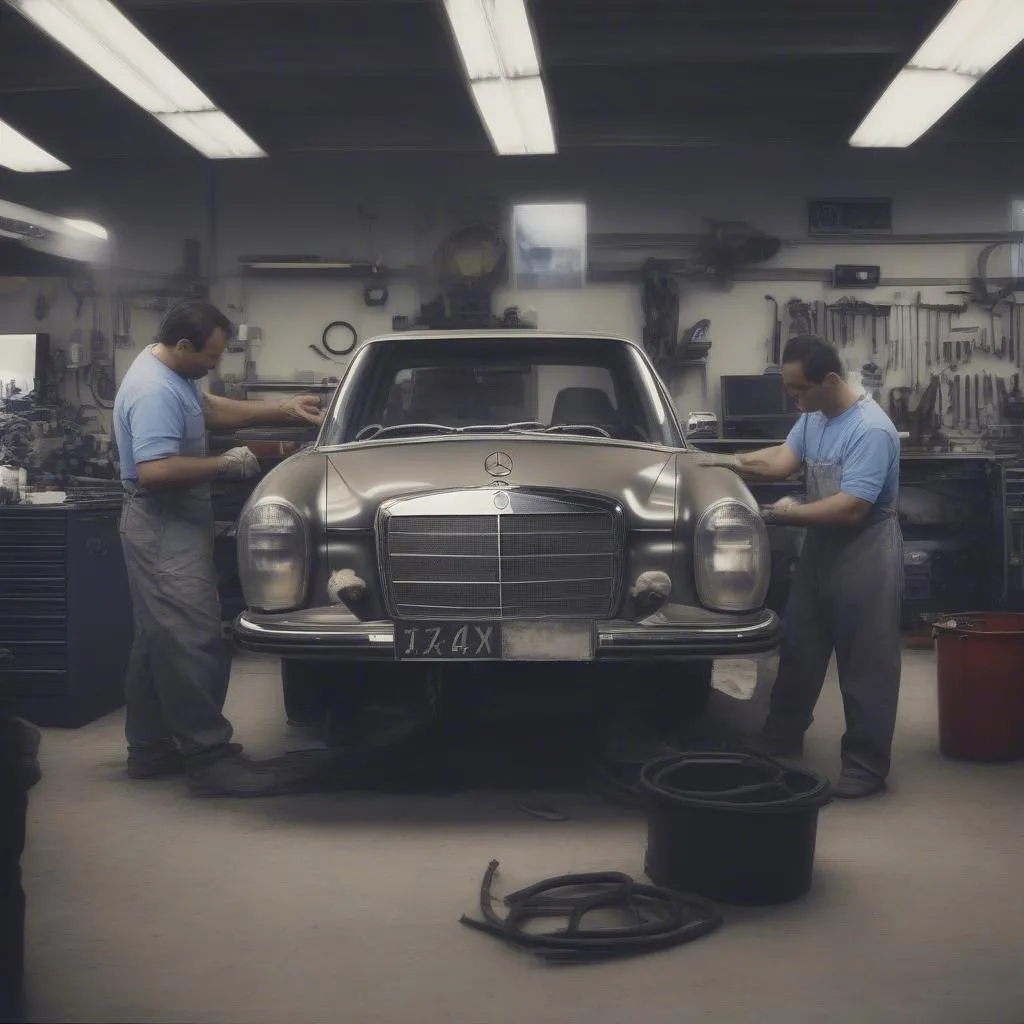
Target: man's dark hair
pixel 194 322
pixel 817 358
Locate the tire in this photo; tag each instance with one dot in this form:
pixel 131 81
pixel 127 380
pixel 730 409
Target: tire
pixel 305 687
pixel 687 695
pixel 663 698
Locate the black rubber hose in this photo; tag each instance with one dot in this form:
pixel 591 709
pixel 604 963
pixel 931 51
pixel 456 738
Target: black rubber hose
pixel 339 351
pixel 663 917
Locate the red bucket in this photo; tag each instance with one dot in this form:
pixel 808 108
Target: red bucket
pixel 981 685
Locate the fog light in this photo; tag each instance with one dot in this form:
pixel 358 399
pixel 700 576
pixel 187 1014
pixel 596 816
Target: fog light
pixel 345 587
pixel 650 591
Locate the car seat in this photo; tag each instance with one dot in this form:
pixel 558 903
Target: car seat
pixel 590 406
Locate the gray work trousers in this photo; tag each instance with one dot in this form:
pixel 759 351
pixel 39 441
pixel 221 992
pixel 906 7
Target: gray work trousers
pixel 845 598
pixel 179 667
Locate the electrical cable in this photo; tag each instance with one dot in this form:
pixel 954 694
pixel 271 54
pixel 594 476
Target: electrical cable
pixel 339 351
pixel 663 917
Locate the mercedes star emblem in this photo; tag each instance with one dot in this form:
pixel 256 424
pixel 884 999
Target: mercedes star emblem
pixel 498 464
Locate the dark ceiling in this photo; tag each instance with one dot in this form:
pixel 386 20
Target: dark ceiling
pixel 371 75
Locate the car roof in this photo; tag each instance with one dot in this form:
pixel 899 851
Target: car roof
pixel 484 332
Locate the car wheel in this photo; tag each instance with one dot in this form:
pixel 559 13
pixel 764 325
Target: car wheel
pixel 305 686
pixel 668 692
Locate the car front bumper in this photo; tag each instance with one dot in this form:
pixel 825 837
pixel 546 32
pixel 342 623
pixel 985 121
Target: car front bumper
pixel 677 632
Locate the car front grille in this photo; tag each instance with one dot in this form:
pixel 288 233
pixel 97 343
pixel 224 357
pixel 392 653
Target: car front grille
pixel 563 557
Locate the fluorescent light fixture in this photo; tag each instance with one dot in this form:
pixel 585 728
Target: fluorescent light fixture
pixel 96 230
pixel 515 114
pixel 212 132
pixel 17 153
pixel 100 36
pixel 66 237
pixel 967 44
pixel 494 37
pixel 495 40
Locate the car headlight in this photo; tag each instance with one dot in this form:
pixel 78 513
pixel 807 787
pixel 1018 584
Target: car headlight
pixel 273 557
pixel 732 559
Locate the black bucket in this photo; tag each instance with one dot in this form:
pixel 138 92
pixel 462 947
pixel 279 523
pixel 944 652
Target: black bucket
pixel 732 827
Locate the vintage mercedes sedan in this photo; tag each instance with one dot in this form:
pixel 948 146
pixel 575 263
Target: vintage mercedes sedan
pixel 506 504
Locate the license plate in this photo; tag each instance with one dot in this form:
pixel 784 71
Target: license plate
pixel 448 641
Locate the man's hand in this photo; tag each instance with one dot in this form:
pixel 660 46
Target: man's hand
pixel 779 512
pixel 303 409
pixel 767 464
pixel 720 462
pixel 238 464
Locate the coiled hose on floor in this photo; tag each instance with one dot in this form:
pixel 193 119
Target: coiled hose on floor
pixel 662 917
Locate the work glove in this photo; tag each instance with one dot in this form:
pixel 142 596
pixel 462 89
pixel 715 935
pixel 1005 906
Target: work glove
pixel 716 461
pixel 777 512
pixel 238 464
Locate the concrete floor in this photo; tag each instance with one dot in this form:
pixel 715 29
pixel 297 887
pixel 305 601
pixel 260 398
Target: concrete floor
pixel 148 905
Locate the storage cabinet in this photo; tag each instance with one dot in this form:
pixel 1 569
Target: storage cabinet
pixel 65 612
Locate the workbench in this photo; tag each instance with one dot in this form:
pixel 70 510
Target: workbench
pixel 953 563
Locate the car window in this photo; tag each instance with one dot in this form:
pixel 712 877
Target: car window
pixel 593 387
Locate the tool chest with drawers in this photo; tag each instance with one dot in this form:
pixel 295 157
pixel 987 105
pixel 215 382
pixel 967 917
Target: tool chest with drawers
pixel 65 612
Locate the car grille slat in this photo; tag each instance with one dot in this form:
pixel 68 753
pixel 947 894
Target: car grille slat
pixel 564 562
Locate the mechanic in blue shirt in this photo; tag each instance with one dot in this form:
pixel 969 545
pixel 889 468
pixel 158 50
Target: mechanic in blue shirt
pixel 178 672
pixel 848 583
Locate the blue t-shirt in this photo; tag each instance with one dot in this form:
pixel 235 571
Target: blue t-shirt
pixel 157 413
pixel 862 441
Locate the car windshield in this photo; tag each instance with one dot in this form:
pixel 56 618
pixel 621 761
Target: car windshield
pixel 417 387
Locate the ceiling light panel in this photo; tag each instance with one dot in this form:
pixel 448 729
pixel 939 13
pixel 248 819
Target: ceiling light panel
pixel 99 35
pixel 496 44
pixel 18 153
pixel 966 45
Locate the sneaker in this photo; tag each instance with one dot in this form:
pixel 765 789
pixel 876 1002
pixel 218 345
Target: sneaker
pixel 853 785
pixel 156 761
pixel 236 775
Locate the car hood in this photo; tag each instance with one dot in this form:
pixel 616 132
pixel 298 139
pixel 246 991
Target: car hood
pixel 641 477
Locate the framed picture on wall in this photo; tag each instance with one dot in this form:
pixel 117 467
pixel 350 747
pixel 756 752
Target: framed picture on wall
pixel 549 245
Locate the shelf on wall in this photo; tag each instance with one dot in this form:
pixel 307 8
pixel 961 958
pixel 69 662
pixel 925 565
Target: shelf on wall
pixel 281 265
pixel 281 385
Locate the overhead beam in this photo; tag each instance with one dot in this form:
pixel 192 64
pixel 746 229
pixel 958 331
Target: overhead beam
pixel 347 60
pixel 713 47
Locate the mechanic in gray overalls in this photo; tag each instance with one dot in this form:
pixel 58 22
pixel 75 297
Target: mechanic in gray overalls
pixel 848 583
pixel 179 667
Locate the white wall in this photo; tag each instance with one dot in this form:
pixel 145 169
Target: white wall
pixel 311 206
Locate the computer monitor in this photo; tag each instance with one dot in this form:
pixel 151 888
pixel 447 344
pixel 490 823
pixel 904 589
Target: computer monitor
pixel 755 406
pixel 761 394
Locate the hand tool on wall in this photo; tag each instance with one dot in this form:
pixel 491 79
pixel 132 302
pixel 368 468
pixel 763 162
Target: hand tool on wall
pixel 776 340
pixel 977 401
pixel 916 348
pixel 897 330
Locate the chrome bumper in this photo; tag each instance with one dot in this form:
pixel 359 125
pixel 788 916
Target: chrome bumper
pixel 675 632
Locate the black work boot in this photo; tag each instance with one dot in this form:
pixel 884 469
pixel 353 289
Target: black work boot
pixel 853 784
pixel 154 760
pixel 232 773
